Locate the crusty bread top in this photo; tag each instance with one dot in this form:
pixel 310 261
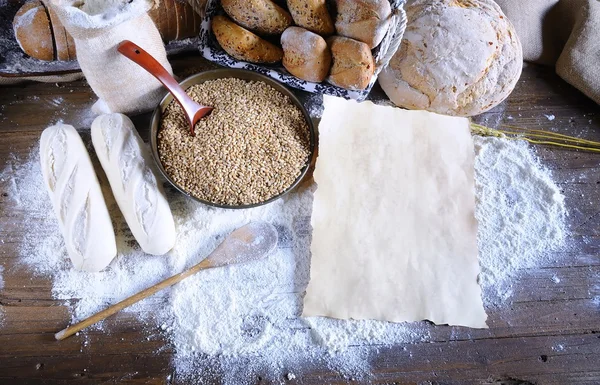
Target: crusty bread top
pixel 457 57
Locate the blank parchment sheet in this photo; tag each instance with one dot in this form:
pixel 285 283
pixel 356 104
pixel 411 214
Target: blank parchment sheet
pixel 394 229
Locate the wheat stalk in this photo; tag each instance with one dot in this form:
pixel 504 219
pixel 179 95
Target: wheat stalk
pixel 537 137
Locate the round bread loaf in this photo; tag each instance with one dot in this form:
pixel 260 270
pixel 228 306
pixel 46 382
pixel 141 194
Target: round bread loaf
pixel 33 31
pixel 353 64
pixel 312 15
pixel 243 44
pixel 457 57
pixel 305 54
pixel 363 20
pixel 261 16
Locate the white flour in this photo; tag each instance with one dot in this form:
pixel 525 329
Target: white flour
pixel 520 210
pixel 235 321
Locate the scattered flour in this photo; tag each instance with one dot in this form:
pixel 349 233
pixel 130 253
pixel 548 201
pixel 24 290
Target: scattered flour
pixel 242 320
pixel 520 210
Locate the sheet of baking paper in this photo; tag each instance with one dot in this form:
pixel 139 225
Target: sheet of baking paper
pixel 394 229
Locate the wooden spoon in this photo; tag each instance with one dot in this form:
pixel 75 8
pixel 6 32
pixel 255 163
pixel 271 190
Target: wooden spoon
pixel 193 111
pixel 248 243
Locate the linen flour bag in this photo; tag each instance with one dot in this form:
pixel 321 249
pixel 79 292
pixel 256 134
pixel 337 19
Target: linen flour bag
pixel 97 27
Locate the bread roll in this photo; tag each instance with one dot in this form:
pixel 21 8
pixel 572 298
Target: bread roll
pixel 353 64
pixel 445 67
pixel 261 16
pixel 77 199
pixel 305 54
pixel 363 20
pixel 125 160
pixel 33 32
pixel 243 44
pixel 312 15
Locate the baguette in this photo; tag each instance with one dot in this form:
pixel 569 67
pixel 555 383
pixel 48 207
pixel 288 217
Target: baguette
pixel 77 199
pixel 261 16
pixel 312 15
pixel 243 44
pixel 142 201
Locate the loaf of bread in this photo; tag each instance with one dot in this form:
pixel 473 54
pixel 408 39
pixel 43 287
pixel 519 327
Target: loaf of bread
pixel 312 15
pixel 41 35
pixel 444 67
pixel 353 64
pixel 33 31
pixel 77 199
pixel 305 54
pixel 261 16
pixel 363 20
pixel 63 42
pixel 175 20
pixel 140 197
pixel 243 44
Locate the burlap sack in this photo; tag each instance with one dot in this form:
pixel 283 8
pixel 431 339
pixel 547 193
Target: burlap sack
pixel 579 63
pixel 565 33
pixel 97 27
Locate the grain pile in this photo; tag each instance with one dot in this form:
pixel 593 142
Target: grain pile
pixel 251 148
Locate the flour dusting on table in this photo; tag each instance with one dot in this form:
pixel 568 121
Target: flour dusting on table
pixel 236 321
pixel 520 210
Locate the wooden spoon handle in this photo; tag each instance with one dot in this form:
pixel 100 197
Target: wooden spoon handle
pixel 69 331
pixel 136 54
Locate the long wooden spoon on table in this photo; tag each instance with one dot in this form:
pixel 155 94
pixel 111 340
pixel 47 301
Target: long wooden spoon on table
pixel 192 110
pixel 249 243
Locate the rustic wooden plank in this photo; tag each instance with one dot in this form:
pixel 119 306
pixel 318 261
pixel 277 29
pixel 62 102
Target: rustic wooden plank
pixel 547 335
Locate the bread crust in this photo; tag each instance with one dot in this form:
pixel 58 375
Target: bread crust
pixel 363 20
pixel 306 55
pixel 312 15
pixel 243 44
pixel 457 57
pixel 260 16
pixel 353 65
pixel 33 31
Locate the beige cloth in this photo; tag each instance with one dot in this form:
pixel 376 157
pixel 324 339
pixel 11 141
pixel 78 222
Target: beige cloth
pixel 561 32
pixel 394 229
pixel 97 27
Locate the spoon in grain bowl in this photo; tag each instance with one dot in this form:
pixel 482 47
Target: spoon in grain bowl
pixel 192 110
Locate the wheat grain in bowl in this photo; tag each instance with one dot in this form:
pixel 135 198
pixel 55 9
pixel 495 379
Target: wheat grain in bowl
pixel 251 148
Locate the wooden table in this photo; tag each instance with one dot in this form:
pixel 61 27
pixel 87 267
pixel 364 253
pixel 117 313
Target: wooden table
pixel 519 348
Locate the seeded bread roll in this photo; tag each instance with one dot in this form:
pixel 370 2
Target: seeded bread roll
pixel 261 16
pixel 243 44
pixel 312 15
pixel 305 54
pixel 33 31
pixel 444 67
pixel 363 20
pixel 353 64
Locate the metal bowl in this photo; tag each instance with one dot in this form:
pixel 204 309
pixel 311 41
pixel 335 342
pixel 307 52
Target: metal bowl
pixel 221 74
